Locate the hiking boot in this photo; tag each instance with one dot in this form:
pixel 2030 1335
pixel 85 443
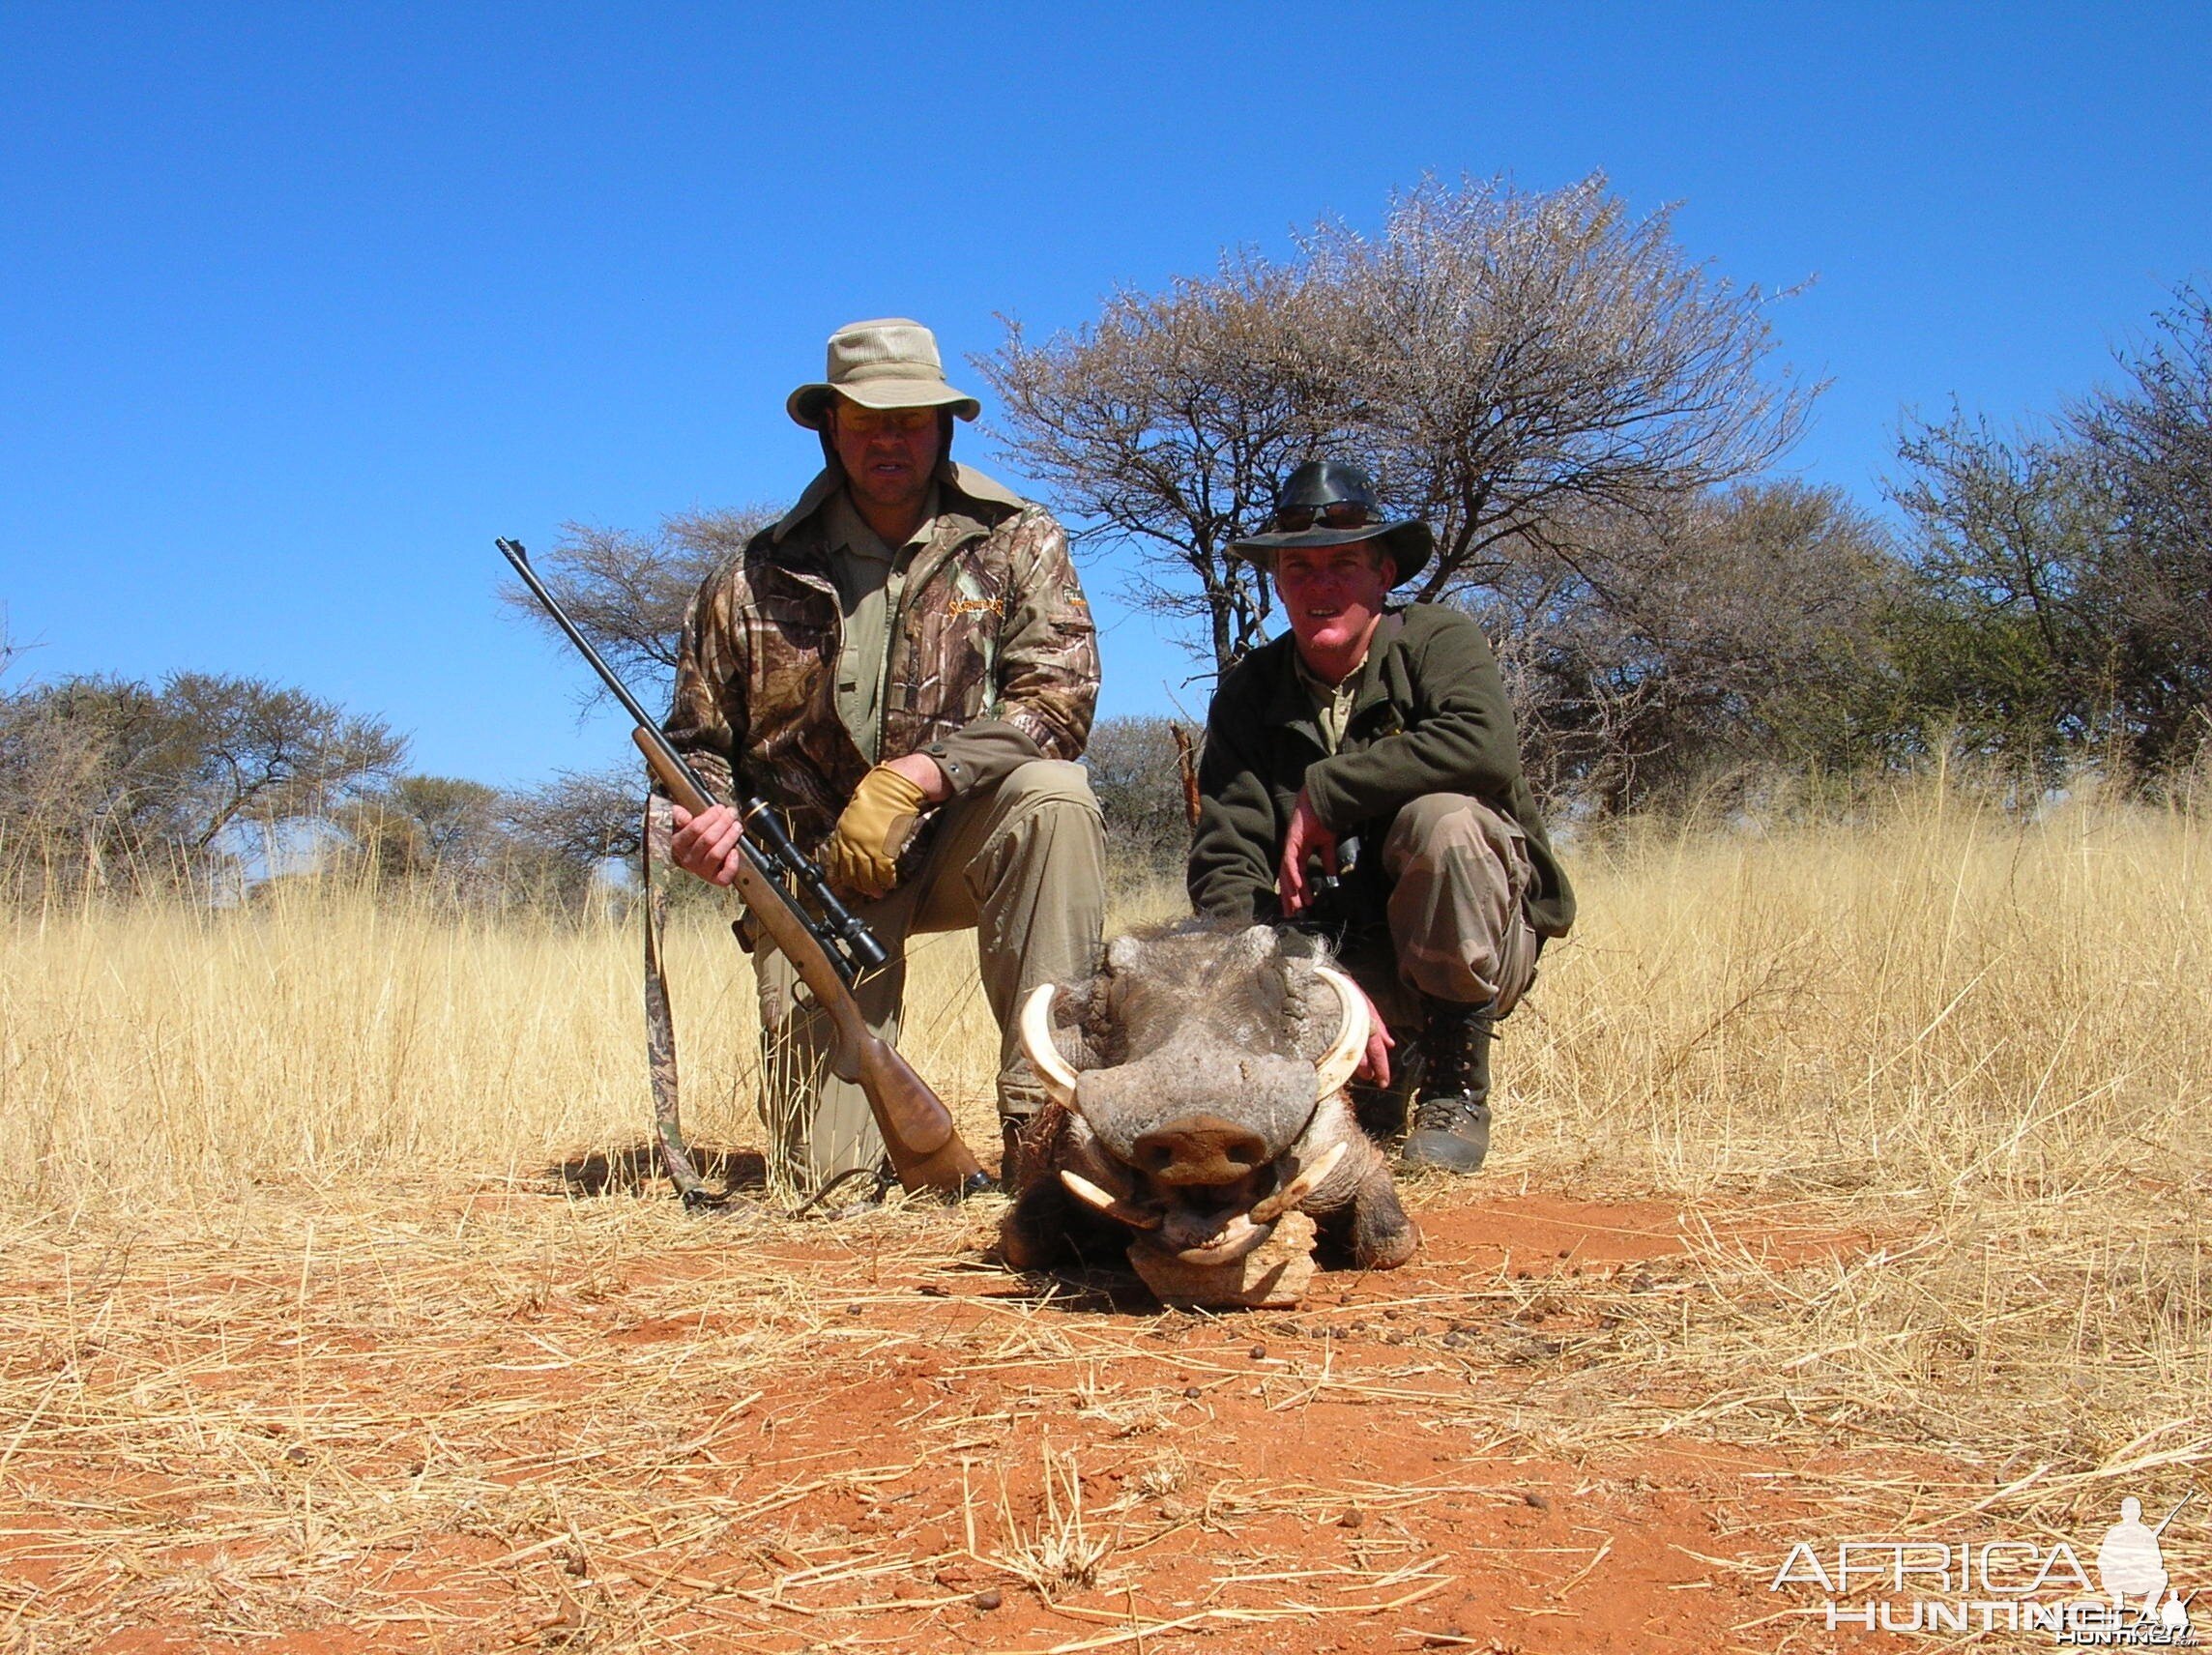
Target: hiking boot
pixel 1451 1114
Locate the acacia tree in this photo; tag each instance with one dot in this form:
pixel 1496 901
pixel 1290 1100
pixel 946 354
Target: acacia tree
pixel 2064 573
pixel 2150 446
pixel 1134 773
pixel 1521 363
pixel 1744 625
pixel 2001 635
pixel 441 829
pixel 1168 426
pixel 1509 363
pixel 628 591
pixel 141 784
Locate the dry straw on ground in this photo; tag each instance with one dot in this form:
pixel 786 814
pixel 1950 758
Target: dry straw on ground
pixel 1896 1125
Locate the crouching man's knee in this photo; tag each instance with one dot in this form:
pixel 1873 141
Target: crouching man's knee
pixel 1040 887
pixel 1044 847
pixel 1460 876
pixel 1047 783
pixel 1046 809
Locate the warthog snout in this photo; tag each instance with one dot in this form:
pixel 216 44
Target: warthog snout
pixel 1196 1087
pixel 1202 1149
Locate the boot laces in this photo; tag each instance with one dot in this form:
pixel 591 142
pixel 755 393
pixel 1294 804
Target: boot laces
pixel 1447 1114
pixel 1448 1049
pixel 1446 1072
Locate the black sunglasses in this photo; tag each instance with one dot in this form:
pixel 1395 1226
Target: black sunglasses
pixel 1336 514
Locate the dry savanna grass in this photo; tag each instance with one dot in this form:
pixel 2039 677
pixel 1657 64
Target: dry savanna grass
pixel 1851 1182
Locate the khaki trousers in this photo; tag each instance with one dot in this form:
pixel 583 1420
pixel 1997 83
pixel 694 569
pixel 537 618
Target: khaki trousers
pixel 1458 924
pixel 1022 864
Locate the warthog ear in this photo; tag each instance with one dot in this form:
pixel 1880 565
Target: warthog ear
pixel 1257 945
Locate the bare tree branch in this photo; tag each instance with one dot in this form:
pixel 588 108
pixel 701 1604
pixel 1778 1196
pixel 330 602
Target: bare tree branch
pixel 1509 365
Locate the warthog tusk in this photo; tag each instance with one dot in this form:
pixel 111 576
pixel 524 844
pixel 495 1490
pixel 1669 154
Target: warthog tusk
pixel 1044 1052
pixel 1239 1237
pixel 1091 1194
pixel 1337 1064
pixel 1298 1188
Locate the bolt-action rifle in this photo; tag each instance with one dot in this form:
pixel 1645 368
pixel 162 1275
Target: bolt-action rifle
pixel 827 946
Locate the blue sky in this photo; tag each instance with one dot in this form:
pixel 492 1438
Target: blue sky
pixel 300 304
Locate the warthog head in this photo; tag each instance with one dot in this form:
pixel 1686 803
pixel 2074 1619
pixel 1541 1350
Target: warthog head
pixel 1197 1084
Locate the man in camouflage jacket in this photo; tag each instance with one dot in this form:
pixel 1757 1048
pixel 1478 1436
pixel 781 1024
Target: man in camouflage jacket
pixel 906 667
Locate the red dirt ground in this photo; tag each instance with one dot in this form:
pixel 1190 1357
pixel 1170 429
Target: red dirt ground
pixel 1361 1474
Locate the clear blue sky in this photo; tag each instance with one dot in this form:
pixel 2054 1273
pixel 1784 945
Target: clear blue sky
pixel 302 304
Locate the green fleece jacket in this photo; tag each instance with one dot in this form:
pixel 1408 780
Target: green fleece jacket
pixel 1429 715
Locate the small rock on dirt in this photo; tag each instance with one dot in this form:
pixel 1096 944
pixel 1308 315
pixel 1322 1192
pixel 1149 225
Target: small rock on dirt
pixel 987 1598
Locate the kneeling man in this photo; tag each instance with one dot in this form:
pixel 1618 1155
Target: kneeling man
pixel 905 667
pixel 1361 775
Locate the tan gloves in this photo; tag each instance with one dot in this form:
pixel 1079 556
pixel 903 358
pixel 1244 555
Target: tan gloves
pixel 863 854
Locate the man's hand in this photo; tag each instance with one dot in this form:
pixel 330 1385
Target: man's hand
pixel 1305 836
pixel 1375 1066
pixel 707 844
pixel 863 854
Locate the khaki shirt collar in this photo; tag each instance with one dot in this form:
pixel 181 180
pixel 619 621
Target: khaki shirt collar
pixel 827 482
pixel 1362 678
pixel 1295 705
pixel 845 531
pixel 1368 676
pixel 1320 686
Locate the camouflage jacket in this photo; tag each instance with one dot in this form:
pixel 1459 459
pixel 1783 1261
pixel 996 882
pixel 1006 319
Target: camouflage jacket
pixel 993 656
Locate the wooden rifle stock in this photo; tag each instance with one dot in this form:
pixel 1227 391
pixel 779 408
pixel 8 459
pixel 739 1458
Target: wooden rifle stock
pixel 918 1132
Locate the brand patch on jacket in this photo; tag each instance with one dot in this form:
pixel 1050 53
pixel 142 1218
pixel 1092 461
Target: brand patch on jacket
pixel 977 606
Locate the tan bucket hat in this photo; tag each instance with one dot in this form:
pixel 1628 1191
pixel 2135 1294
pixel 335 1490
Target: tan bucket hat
pixel 890 362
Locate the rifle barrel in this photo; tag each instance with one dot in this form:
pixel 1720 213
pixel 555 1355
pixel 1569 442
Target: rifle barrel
pixel 781 853
pixel 515 554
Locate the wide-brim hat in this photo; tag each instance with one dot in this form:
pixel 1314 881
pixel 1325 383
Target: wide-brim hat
pixel 1318 483
pixel 890 362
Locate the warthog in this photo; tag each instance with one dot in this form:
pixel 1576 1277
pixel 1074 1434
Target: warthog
pixel 1196 1088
